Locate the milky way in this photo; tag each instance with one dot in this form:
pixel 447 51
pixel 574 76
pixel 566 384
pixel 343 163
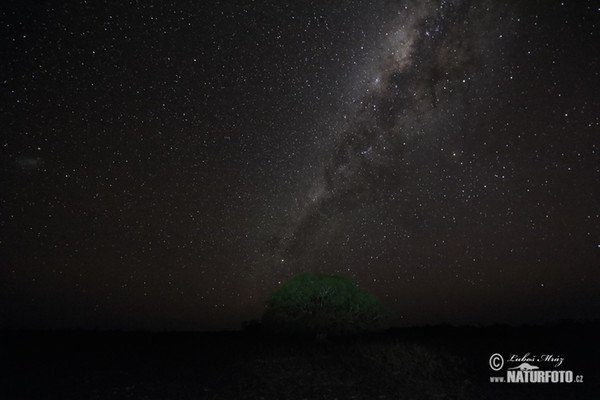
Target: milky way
pixel 435 175
pixel 404 141
pixel 167 167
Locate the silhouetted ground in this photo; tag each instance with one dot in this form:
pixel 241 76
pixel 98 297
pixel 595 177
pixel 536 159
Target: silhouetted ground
pixel 417 363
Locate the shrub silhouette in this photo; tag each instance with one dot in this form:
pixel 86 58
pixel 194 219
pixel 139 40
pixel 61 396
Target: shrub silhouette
pixel 318 303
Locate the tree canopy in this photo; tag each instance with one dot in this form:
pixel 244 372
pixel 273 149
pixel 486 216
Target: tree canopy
pixel 320 303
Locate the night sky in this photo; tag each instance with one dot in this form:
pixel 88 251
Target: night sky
pixel 165 165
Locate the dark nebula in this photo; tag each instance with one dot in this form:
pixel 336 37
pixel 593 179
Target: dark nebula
pixel 166 166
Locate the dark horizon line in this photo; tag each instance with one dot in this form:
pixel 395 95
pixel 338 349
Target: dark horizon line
pixel 589 322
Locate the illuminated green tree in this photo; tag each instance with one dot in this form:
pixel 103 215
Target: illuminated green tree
pixel 319 303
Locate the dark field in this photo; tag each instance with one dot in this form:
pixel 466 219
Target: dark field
pixel 418 363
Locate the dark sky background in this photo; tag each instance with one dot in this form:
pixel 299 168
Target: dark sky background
pixel 166 164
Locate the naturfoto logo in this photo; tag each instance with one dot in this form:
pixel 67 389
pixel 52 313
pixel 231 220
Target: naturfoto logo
pixel 530 368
